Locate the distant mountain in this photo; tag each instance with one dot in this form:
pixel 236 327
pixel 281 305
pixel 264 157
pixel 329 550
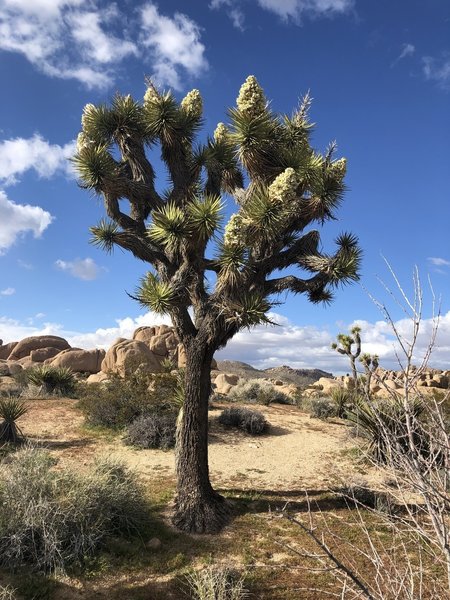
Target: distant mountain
pixel 300 377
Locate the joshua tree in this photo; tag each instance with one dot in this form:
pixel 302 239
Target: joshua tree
pixel 346 342
pixel 213 286
pixel 370 362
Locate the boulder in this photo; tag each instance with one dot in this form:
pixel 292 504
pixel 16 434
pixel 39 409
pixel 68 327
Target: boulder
pixel 44 354
pixel 144 334
pixel 8 384
pixel 25 346
pixel 128 355
pixel 182 356
pixel 14 367
pixel 80 361
pixel 4 368
pixel 225 381
pixel 6 349
pixel 97 377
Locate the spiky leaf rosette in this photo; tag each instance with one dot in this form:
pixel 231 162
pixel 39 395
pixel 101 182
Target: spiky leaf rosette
pixel 157 295
pixel 11 409
pixel 205 215
pixel 170 227
pixel 95 166
pixel 104 235
pixel 247 311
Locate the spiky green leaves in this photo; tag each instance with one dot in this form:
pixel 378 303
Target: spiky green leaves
pixel 248 311
pixel 173 224
pixel 231 260
pixel 205 215
pixel 104 235
pixel 94 165
pixel 156 295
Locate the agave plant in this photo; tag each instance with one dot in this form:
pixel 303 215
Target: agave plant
pixel 52 379
pixel 11 409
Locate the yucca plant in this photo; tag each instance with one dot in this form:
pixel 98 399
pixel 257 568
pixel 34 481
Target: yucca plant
pixel 11 409
pixel 52 380
pixel 343 400
pixel 284 191
pixel 383 420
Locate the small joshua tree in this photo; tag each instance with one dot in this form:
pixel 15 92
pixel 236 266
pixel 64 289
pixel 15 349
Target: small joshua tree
pixel 11 409
pixel 344 346
pixel 213 285
pixel 370 364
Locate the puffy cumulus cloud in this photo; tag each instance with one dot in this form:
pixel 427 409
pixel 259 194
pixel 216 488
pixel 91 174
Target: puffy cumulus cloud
pixel 82 268
pixel 18 219
pixel 9 291
pixel 174 44
pixel 22 154
pixel 287 9
pixel 78 39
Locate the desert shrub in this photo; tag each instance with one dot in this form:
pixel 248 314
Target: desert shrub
pixel 382 420
pixel 51 380
pixel 118 402
pixel 152 431
pixel 50 519
pixel 251 421
pixel 342 400
pixel 322 408
pixel 258 392
pixel 11 409
pixel 215 583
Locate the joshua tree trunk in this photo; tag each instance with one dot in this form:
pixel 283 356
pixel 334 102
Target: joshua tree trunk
pixel 198 508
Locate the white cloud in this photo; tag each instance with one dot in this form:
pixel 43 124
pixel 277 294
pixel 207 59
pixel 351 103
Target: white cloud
pixel 75 39
pixel 9 291
pixel 64 39
pixel 407 50
pixel 82 268
pixel 295 9
pixel 18 219
pixel 234 12
pixel 439 262
pixel 174 43
pixel 21 154
pixel 437 70
pixel 24 265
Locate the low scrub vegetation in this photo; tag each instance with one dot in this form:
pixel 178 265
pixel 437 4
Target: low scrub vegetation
pixel 51 519
pixel 251 421
pixel 118 402
pixel 258 392
pixel 214 583
pixel 152 431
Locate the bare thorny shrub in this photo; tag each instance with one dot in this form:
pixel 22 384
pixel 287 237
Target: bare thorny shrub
pixel 403 553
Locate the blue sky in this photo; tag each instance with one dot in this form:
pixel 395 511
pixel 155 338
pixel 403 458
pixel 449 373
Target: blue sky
pixel 379 73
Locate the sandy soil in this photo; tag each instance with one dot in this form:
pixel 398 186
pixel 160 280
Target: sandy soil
pixel 298 452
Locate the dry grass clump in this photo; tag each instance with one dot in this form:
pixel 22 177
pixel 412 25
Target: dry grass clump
pixel 51 519
pixel 152 431
pixel 251 421
pixel 215 583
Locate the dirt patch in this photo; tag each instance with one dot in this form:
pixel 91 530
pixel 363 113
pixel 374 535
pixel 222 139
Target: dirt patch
pixel 297 453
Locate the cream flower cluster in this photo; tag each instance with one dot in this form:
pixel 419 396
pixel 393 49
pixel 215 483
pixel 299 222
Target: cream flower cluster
pixel 339 167
pixel 150 95
pixel 192 104
pixel 221 132
pixel 284 186
pixel 233 231
pixel 82 141
pixel 87 113
pixel 251 99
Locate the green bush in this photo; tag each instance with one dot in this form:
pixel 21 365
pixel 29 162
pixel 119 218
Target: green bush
pixel 152 431
pixel 255 391
pixel 215 583
pixel 51 380
pixel 50 519
pixel 251 421
pixel 118 402
pixel 322 408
